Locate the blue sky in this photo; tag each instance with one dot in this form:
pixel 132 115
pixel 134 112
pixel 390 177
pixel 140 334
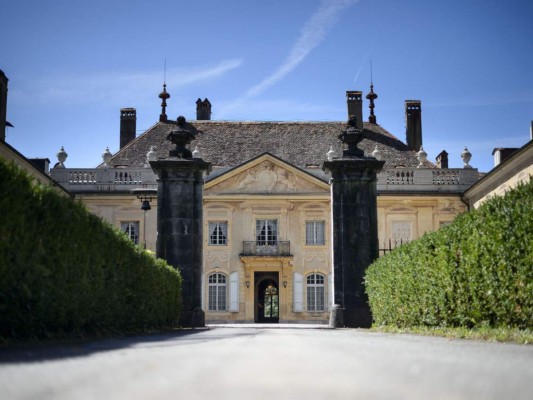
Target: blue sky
pixel 73 64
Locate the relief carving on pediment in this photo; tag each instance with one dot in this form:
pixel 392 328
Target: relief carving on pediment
pixel 265 177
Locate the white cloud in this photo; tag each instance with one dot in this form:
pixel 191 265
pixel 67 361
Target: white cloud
pixel 312 34
pixel 118 87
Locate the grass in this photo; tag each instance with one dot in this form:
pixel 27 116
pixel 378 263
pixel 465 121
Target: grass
pixel 514 335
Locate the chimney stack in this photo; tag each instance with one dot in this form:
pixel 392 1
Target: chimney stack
pixel 442 160
pixel 203 110
pixel 128 125
pixel 3 105
pixel 531 131
pixel 413 124
pixel 354 100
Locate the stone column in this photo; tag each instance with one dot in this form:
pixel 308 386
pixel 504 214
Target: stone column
pixel 179 220
pixel 355 232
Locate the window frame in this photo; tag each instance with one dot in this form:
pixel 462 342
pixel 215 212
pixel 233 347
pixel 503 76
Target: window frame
pixel 315 241
pixel 214 288
pixel 125 226
pixel 315 301
pixel 270 237
pixel 216 225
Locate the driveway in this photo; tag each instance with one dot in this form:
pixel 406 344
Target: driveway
pixel 265 362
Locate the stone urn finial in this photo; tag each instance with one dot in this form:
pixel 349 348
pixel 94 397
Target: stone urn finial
pixel 151 155
pixel 352 136
pixel 181 136
pixel 106 157
pixel 466 157
pixel 61 157
pixel 196 153
pixel 376 153
pixel 422 156
pixel 330 154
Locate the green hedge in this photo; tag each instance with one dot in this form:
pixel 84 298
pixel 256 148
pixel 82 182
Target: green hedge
pixel 477 271
pixel 64 271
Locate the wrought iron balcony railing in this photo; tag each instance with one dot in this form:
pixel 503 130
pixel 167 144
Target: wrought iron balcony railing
pixel 266 248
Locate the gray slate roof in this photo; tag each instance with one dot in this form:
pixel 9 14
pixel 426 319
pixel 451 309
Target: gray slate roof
pixel 226 144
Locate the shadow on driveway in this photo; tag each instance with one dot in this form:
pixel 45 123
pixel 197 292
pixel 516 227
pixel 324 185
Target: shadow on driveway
pixel 36 352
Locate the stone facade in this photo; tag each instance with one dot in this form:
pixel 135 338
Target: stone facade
pixel 267 230
pixel 267 188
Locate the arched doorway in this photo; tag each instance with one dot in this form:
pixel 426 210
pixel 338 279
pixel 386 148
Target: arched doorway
pixel 267 297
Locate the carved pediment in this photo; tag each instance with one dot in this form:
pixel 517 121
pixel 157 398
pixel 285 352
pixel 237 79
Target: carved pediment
pixel 266 177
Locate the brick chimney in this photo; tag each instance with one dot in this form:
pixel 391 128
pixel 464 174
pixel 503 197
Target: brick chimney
pixel 354 99
pixel 128 125
pixel 3 105
pixel 442 160
pixel 413 124
pixel 203 110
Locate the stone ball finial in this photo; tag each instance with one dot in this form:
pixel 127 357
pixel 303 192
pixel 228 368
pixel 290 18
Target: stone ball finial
pixel 466 156
pixel 422 157
pixel 376 153
pixel 106 156
pixel 352 121
pixel 61 158
pixel 181 121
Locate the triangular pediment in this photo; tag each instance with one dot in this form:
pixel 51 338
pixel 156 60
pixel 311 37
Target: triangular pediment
pixel 266 174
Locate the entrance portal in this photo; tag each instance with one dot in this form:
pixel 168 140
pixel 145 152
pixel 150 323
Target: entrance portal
pixel 266 297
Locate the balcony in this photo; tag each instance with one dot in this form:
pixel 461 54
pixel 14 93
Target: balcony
pixel 266 248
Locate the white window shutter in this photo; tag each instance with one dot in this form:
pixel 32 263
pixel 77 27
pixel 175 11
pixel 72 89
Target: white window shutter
pixel 330 291
pixel 234 291
pixel 298 292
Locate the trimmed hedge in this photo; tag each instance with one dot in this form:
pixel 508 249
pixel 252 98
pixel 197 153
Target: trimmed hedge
pixel 478 271
pixel 64 271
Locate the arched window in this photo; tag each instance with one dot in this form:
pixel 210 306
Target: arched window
pixel 315 292
pixel 217 292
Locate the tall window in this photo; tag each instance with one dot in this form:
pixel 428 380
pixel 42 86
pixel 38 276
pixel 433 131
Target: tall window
pixel 131 228
pixel 266 232
pixel 217 292
pixel 314 232
pixel 218 233
pixel 315 292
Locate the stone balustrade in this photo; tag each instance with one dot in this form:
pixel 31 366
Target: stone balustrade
pixel 104 179
pixel 78 180
pixel 426 179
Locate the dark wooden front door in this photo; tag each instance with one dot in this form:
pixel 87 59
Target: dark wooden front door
pixel 267 297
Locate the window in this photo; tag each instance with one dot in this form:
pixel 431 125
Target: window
pixel 401 232
pixel 218 233
pixel 217 292
pixel 131 229
pixel 315 292
pixel 314 233
pixel 266 232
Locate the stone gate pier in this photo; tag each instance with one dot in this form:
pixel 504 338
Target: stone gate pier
pixel 355 230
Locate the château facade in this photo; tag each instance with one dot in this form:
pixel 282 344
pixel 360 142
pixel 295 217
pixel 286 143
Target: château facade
pixel 267 233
